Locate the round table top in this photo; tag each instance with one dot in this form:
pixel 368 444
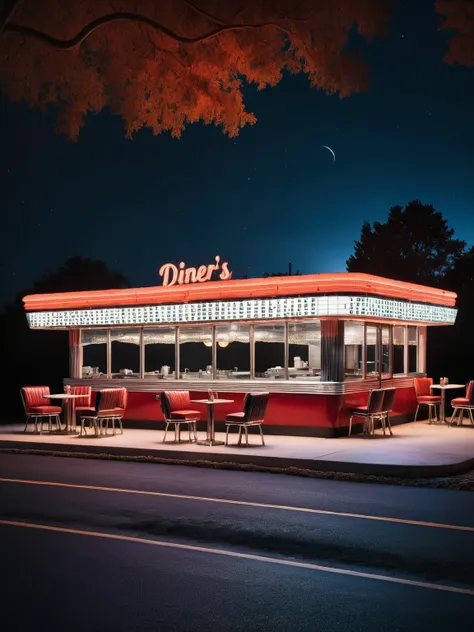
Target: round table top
pixel 448 386
pixel 212 401
pixel 62 396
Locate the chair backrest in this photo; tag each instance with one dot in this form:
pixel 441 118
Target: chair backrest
pixel 174 400
pixel 388 399
pixel 374 405
pixel 109 399
pixel 470 392
pixel 124 398
pixel 255 406
pixel 422 385
pixel 33 396
pixel 86 391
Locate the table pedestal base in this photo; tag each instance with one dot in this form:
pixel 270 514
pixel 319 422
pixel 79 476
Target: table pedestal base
pixel 210 442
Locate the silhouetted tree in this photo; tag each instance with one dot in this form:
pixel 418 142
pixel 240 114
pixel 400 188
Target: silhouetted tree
pixel 41 357
pixel 415 244
pixel 166 64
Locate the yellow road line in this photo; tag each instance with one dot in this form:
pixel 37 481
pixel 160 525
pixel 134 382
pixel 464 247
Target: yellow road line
pixel 244 503
pixel 245 556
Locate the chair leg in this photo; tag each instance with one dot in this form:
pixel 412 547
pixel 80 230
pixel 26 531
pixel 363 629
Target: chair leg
pixel 469 410
pixel 227 435
pixel 389 424
pixel 416 413
pixel 350 426
pixel 261 433
pixel 26 424
pixel 119 419
pixel 453 417
pixel 246 436
pixel 166 431
pixel 240 436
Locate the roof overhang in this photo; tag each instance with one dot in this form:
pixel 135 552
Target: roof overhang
pixel 343 283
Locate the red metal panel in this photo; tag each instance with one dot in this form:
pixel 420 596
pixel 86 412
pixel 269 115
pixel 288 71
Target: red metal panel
pixel 318 411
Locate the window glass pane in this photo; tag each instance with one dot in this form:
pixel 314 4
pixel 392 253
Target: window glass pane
pixel 269 351
pixel 398 350
pixel 159 351
pixel 412 349
pixel 233 352
pixel 304 350
pixel 353 350
pixel 385 335
pixel 195 352
pixel 125 353
pixel 371 342
pixel 94 352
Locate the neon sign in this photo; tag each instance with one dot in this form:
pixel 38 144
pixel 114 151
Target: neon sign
pixel 181 275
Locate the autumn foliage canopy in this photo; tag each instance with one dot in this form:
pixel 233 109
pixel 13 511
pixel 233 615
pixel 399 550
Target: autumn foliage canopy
pixel 459 17
pixel 164 64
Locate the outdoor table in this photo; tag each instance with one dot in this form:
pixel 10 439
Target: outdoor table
pixel 210 440
pixel 443 388
pixel 68 400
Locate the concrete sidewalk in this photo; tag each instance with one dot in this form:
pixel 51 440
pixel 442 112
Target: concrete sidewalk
pixel 414 450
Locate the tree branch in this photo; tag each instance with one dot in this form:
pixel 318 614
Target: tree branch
pixel 75 41
pixel 7 12
pixel 209 16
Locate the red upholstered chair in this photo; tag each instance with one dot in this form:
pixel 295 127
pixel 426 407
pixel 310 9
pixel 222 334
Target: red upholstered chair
pixel 460 404
pixel 82 405
pixel 424 396
pixel 373 410
pixel 176 407
pixel 38 407
pixel 255 405
pixel 110 406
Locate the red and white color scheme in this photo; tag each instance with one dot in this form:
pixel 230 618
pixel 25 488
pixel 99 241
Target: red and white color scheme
pixel 317 343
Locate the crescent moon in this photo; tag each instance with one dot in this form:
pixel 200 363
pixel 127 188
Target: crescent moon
pixel 329 149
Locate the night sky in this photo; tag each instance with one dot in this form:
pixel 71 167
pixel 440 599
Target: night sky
pixel 269 196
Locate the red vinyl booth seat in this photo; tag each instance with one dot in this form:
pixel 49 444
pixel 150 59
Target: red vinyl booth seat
pixel 424 394
pixel 44 410
pixel 36 403
pixel 82 403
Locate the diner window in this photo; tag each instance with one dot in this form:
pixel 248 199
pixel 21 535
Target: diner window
pixel 385 353
pixel 195 352
pixel 94 352
pixel 304 350
pixel 125 352
pixel 412 333
pixel 371 367
pixel 233 352
pixel 159 346
pixel 269 351
pixel 353 350
pixel 399 350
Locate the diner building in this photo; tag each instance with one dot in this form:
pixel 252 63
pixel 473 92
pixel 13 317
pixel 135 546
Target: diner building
pixel 317 343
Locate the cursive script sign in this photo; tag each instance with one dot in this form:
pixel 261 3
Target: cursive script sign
pixel 180 275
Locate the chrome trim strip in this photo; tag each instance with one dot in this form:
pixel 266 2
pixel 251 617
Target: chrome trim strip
pixel 296 387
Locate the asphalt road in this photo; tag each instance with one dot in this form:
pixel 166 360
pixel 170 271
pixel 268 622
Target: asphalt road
pixel 105 545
